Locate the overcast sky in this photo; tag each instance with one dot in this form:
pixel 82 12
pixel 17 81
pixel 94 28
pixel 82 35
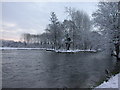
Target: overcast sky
pixel 26 17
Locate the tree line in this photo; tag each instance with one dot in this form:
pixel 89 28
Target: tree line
pixel 77 31
pixel 73 33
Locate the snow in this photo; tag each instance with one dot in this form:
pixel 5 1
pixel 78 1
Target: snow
pixel 48 49
pixel 62 51
pixel 1 48
pixel 75 50
pixel 111 83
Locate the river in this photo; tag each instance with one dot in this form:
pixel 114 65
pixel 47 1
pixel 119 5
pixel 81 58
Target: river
pixel 46 69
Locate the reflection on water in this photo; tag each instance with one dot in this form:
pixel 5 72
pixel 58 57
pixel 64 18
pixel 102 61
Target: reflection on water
pixel 45 69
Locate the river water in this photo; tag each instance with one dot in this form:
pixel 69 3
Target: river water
pixel 46 69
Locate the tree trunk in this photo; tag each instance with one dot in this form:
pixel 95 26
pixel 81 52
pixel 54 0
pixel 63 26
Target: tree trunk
pixel 117 51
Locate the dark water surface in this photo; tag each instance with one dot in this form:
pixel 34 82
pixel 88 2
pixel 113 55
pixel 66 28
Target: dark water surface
pixel 45 69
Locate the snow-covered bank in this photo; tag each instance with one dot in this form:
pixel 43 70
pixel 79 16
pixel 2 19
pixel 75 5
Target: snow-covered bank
pixel 7 48
pixel 48 49
pixel 111 83
pixel 71 51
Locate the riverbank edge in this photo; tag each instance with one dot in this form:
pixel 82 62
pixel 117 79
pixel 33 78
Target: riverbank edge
pixel 107 80
pixel 49 49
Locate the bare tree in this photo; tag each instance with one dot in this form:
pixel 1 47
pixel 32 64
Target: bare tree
pixel 80 25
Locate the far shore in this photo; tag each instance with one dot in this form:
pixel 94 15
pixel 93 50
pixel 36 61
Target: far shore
pixel 47 49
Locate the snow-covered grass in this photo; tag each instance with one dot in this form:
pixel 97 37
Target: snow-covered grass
pixel 111 83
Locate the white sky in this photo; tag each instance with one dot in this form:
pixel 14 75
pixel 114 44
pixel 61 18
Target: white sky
pixel 33 17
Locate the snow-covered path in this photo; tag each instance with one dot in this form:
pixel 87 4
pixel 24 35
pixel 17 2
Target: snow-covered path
pixel 113 82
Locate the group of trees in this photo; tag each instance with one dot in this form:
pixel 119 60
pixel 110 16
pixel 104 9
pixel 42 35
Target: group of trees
pixel 107 19
pixel 76 32
pixel 35 40
pixel 10 43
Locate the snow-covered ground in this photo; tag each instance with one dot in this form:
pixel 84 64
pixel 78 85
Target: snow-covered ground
pixel 75 50
pixel 1 48
pixel 111 83
pixel 48 49
pixel 88 50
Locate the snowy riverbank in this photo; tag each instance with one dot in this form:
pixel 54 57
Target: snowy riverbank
pixel 58 51
pixel 71 51
pixel 75 51
pixel 111 83
pixel 17 48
